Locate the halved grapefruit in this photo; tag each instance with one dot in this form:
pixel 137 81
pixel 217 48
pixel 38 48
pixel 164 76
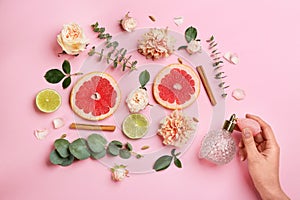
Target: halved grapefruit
pixel 95 96
pixel 176 86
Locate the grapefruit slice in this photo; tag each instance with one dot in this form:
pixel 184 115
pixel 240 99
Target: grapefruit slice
pixel 176 86
pixel 95 96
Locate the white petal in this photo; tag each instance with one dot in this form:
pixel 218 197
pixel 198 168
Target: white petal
pixel 41 133
pixel 58 123
pixel 178 20
pixel 238 94
pixel 227 56
pixel 234 59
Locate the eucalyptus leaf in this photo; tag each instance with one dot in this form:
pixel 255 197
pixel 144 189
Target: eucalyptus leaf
pixel 55 158
pixel 190 34
pixel 79 149
pixel 66 67
pixel 177 162
pixel 99 155
pixel 62 147
pixel 162 163
pixel 66 83
pixel 54 76
pixel 96 143
pixel 128 146
pixel 144 78
pixel 173 152
pixel 67 161
pixel 114 148
pixel 182 47
pixel 124 153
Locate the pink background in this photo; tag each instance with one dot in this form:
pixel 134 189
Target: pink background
pixel 264 33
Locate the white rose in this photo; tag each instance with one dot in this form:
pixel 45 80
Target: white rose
pixel 194 46
pixel 119 172
pixel 137 100
pixel 128 23
pixel 72 39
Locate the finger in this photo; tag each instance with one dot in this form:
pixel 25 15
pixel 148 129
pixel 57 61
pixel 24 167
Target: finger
pixel 267 132
pixel 241 144
pixel 258 138
pixel 242 154
pixel 249 143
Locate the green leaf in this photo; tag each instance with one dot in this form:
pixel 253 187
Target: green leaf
pixel 114 148
pixel 182 47
pixel 67 161
pixel 177 162
pixel 79 149
pixel 99 155
pixel 66 67
pixel 173 152
pixel 190 34
pixel 92 51
pixel 66 82
pixel 96 143
pixel 54 76
pixel 128 146
pixel 101 54
pixel 55 158
pixel 144 78
pixel 62 147
pixel 124 153
pixel 138 156
pixel 162 163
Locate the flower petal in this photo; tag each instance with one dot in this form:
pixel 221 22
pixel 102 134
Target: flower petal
pixel 58 123
pixel 238 94
pixel 41 133
pixel 178 20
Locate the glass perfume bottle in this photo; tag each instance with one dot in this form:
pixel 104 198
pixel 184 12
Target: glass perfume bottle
pixel 218 146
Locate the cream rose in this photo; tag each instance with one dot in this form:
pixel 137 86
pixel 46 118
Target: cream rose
pixel 194 46
pixel 128 23
pixel 137 100
pixel 119 172
pixel 72 39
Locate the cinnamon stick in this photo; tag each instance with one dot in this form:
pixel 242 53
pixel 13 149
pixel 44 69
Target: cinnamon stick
pixel 92 127
pixel 206 85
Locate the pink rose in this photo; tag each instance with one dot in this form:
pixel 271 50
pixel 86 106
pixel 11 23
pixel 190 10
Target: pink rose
pixel 119 172
pixel 128 23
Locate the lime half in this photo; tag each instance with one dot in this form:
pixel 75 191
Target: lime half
pixel 48 100
pixel 135 126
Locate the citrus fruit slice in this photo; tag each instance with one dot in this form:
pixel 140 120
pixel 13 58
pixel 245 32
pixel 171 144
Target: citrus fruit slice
pixel 176 86
pixel 48 100
pixel 95 96
pixel 135 126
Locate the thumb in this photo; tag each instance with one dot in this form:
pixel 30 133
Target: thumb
pixel 249 143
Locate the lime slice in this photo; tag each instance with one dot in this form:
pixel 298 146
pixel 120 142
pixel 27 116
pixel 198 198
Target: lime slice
pixel 135 126
pixel 48 100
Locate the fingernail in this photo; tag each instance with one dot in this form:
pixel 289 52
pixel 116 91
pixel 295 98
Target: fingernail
pixel 247 132
pixel 242 158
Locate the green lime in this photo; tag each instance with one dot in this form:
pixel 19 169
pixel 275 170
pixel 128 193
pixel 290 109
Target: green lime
pixel 135 126
pixel 48 100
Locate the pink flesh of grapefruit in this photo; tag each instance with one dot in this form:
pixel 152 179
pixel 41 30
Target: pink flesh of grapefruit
pixel 176 86
pixel 95 96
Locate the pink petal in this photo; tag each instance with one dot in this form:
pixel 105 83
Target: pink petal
pixel 227 56
pixel 41 133
pixel 234 59
pixel 249 123
pixel 238 94
pixel 58 122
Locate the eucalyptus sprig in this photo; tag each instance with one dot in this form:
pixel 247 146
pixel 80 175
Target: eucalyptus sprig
pixel 144 78
pixel 114 56
pixel 55 75
pixel 95 146
pixel 218 63
pixel 165 161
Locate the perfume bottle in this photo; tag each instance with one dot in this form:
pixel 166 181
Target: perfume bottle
pixel 218 146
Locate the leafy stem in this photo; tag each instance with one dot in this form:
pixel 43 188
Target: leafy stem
pixel 55 75
pixel 114 56
pixel 165 161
